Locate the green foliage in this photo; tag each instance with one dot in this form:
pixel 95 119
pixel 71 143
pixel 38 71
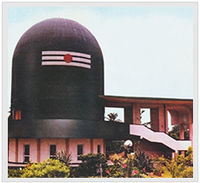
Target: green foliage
pixel 132 165
pixel 174 133
pixel 143 162
pixel 177 167
pixel 128 166
pixel 187 172
pixel 118 167
pixel 113 117
pixel 74 172
pixel 50 168
pixel 64 157
pixel 189 157
pixel 12 173
pixel 92 164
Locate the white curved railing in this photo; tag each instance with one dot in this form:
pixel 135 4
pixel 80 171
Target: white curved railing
pixel 159 137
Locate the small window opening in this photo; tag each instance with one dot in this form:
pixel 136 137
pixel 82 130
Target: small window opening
pixel 114 114
pixel 170 126
pixel 145 117
pixel 98 148
pixel 52 151
pixel 79 150
pixel 26 153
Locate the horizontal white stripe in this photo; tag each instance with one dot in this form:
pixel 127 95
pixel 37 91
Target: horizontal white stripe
pixel 81 59
pixel 66 52
pixel 67 64
pixel 62 58
pixel 52 57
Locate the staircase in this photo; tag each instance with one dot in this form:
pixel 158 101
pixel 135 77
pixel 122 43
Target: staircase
pixel 159 137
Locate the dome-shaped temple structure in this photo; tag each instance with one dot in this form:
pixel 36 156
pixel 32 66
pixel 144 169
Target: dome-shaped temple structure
pixel 57 81
pixel 47 85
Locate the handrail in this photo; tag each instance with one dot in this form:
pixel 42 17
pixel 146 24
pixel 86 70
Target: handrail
pixel 159 137
pixel 159 132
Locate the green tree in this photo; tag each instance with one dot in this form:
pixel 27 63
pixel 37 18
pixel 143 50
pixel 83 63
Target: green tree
pixel 112 117
pixel 92 165
pixel 50 168
pixel 174 133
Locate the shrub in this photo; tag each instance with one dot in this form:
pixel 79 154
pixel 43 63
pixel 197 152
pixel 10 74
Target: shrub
pixel 189 157
pixel 177 167
pixel 64 157
pixel 12 173
pixel 116 170
pixel 187 173
pixel 92 164
pixel 74 172
pixel 123 167
pixel 143 162
pixel 49 168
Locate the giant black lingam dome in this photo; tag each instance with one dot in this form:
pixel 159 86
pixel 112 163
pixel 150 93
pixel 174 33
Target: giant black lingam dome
pixel 57 79
pixel 57 72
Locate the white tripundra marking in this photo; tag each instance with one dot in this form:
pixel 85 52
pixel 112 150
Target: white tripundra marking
pixel 57 58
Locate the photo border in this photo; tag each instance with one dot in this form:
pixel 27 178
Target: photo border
pixel 5 103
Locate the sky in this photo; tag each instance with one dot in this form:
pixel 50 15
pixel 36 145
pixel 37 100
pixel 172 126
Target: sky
pixel 148 50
